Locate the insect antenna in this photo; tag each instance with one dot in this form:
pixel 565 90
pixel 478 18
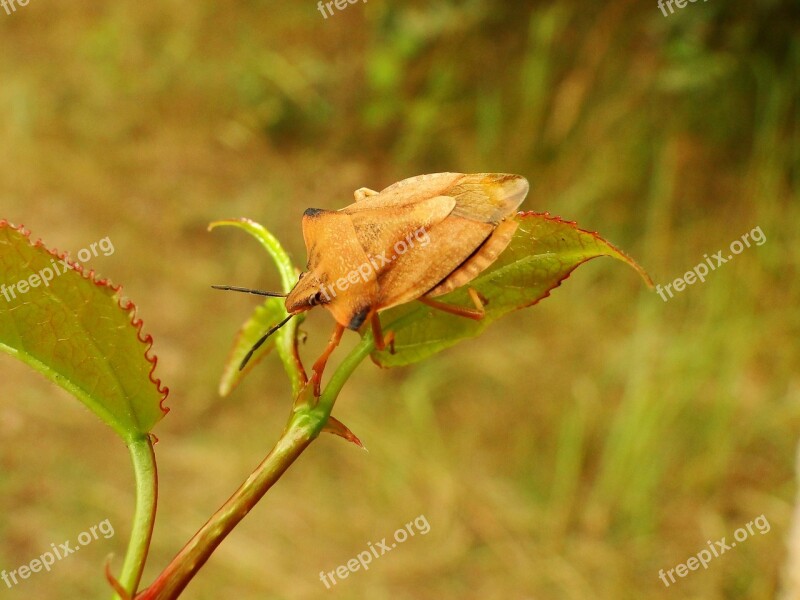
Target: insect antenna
pixel 263 339
pixel 233 288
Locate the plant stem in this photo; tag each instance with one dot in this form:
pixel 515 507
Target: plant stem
pixel 286 344
pixel 144 466
pixel 305 424
pixel 343 372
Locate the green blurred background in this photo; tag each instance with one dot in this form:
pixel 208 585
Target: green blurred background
pixel 573 450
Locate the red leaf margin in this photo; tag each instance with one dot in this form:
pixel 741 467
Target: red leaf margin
pixel 127 306
pixel 546 215
pixel 382 358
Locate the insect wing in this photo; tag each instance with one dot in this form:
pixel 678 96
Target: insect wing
pixel 484 256
pixel 423 266
pixel 488 197
pixel 462 245
pixel 484 197
pixel 408 191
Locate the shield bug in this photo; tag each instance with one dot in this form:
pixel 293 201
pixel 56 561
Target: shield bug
pixel 417 239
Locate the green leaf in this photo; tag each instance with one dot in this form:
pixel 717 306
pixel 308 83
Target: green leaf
pixel 263 318
pixel 77 331
pixel 267 315
pixel 542 253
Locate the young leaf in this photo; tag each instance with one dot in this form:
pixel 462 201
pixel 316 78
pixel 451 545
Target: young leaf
pixel 542 253
pixel 263 318
pixel 267 315
pixel 76 330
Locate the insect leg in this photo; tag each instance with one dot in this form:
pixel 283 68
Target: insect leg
pixel 319 366
pixel 478 299
pixel 476 313
pixel 381 341
pixel 363 192
pixel 298 361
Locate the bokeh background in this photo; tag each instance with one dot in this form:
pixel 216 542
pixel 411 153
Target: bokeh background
pixel 572 451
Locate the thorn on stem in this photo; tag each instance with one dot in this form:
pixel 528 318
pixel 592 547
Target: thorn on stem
pixel 336 427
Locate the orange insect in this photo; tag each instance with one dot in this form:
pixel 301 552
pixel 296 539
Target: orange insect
pixel 415 240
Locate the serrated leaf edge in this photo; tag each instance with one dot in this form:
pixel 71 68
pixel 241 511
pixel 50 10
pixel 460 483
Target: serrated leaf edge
pixel 546 215
pixel 375 356
pixel 125 304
